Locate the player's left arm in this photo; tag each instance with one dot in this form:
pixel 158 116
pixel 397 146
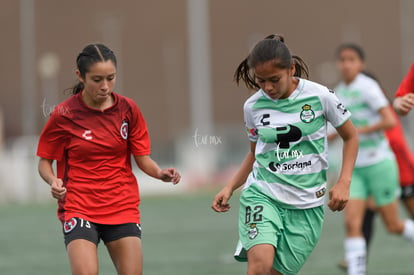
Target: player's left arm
pixel 151 168
pixel 386 122
pixel 339 193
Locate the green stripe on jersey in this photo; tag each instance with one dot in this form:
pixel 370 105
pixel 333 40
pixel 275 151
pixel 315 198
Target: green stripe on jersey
pixel 370 143
pixel 362 106
pixel 289 106
pixel 269 135
pixel 298 181
pixel 359 122
pixel 313 127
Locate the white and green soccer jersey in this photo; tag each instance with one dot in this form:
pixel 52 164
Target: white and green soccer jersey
pixel 364 98
pixel 291 143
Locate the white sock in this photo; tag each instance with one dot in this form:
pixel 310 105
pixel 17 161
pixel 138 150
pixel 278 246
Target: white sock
pixel 355 255
pixel 408 232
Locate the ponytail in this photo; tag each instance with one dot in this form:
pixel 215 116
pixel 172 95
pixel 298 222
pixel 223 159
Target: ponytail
pixel 243 73
pixel 301 69
pixel 77 88
pixel 273 47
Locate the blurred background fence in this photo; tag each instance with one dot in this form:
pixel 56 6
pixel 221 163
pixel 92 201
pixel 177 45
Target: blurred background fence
pixel 176 60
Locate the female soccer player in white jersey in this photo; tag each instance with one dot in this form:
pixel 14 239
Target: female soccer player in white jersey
pixel 284 174
pixel 375 172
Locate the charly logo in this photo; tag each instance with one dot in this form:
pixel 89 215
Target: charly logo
pixel 307 115
pixel 87 134
pixel 124 130
pixel 253 231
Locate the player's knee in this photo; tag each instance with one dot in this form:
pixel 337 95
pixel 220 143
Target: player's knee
pixel 395 228
pixel 84 271
pixel 129 271
pixel 259 270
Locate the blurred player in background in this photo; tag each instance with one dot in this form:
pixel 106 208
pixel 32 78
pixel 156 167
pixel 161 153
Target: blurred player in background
pixel 92 135
pixel 284 174
pixel 405 163
pixel 404 97
pixel 375 172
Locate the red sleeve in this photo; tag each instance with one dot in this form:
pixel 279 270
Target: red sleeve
pixel 139 140
pixel 407 84
pixel 54 138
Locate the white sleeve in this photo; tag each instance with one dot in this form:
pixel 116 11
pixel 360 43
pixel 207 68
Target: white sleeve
pixel 335 112
pixel 330 129
pixel 249 123
pixel 374 96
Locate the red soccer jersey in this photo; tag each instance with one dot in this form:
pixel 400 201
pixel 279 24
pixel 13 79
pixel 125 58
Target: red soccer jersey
pixel 93 151
pixel 403 154
pixel 407 84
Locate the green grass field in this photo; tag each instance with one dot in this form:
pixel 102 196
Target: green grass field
pixel 181 235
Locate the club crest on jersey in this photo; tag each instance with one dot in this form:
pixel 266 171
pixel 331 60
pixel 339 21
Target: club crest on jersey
pixel 307 115
pixel 69 225
pixel 124 130
pixel 253 231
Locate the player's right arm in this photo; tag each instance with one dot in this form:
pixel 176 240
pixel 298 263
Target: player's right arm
pixel 46 172
pixel 221 200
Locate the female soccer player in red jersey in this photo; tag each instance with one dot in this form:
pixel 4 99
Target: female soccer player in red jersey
pixel 405 160
pixel 92 135
pixel 404 100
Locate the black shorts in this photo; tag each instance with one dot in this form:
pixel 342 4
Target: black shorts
pixel 77 228
pixel 407 192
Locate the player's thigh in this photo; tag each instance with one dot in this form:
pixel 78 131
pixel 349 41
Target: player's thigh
pixel 259 220
pixel 260 259
pixel 354 215
pixel 301 232
pixel 124 245
pixel 126 254
pixel 83 257
pixel 81 239
pixel 382 179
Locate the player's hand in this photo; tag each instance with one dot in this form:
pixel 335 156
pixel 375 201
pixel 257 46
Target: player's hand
pixel 404 104
pixel 57 189
pixel 339 196
pixel 170 175
pixel 221 200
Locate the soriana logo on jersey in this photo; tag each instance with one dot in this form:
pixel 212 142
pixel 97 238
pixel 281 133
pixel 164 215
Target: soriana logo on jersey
pixel 124 130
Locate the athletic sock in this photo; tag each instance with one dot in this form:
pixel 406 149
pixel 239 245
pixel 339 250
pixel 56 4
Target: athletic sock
pixel 408 232
pixel 368 226
pixel 355 255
